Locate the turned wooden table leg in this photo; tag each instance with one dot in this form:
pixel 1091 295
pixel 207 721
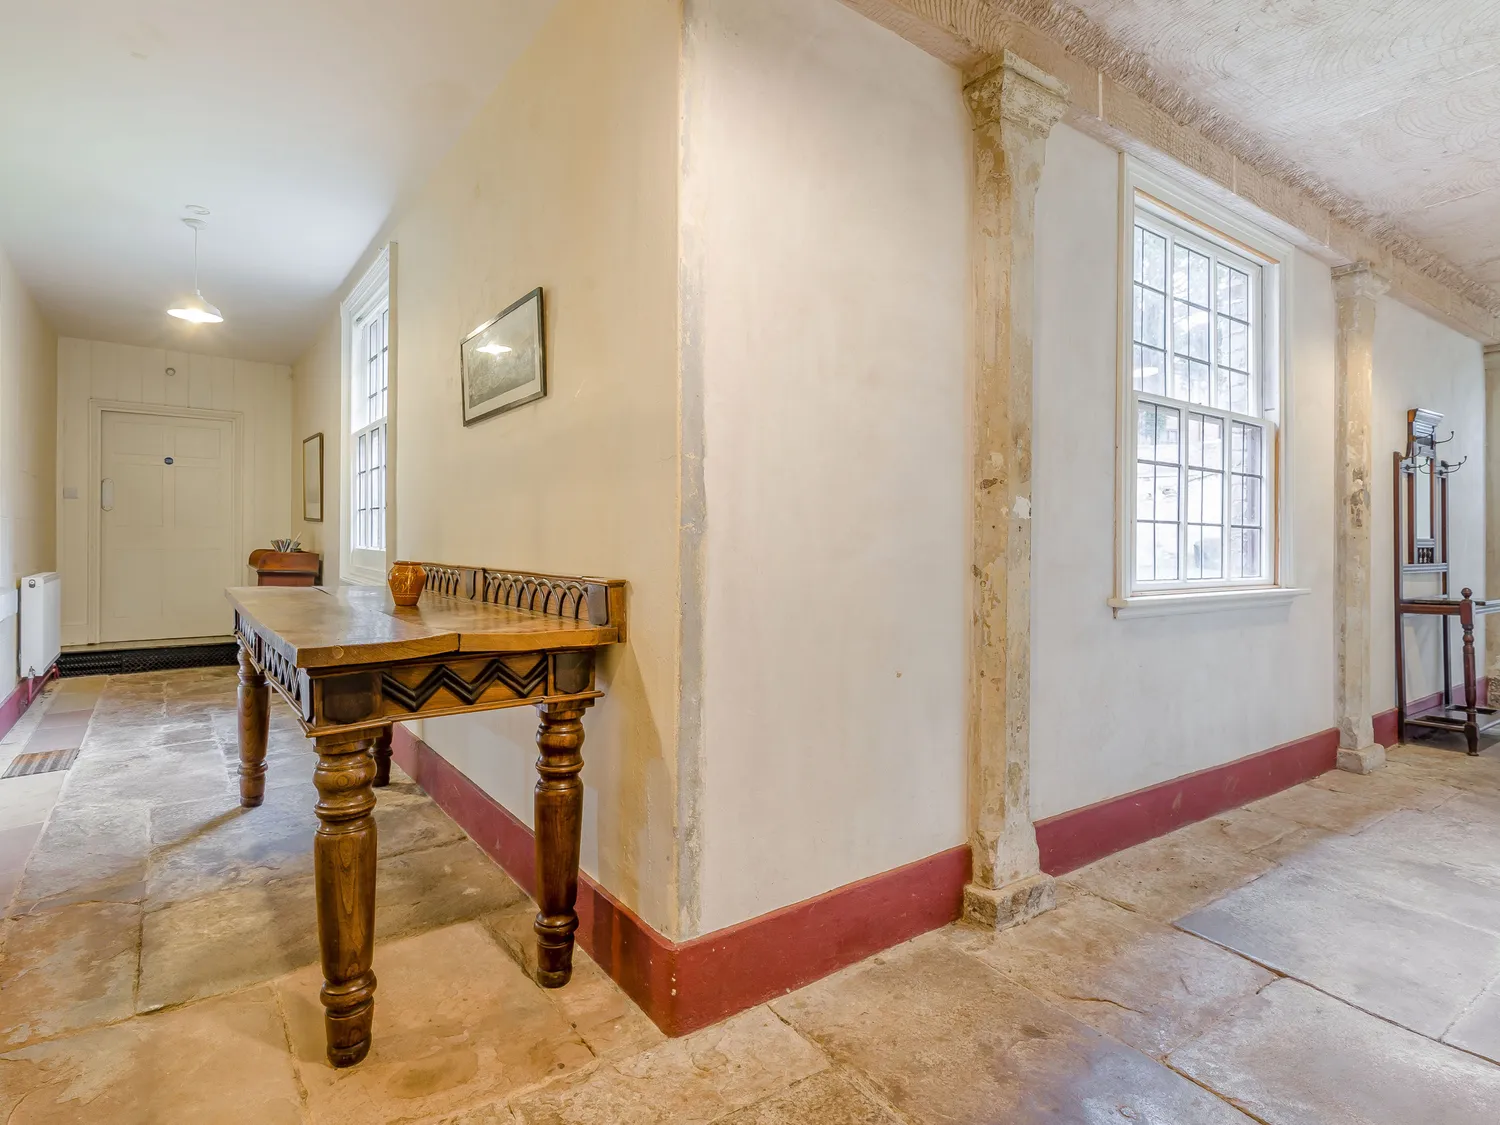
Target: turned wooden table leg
pixel 559 829
pixel 255 719
pixel 1471 682
pixel 344 862
pixel 383 758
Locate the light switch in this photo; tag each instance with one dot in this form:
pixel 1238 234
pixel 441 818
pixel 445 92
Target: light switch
pixel 70 492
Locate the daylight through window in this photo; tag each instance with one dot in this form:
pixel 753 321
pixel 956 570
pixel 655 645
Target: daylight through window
pixel 1203 439
pixel 367 420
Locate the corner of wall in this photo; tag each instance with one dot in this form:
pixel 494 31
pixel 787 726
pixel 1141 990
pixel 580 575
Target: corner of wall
pixel 316 408
pixel 28 471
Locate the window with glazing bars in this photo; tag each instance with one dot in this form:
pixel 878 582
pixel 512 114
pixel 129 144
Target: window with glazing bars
pixel 1203 511
pixel 367 416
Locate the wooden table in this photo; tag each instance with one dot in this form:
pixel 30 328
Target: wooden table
pixel 351 663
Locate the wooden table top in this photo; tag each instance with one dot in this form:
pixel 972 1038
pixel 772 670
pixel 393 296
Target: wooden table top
pixel 319 627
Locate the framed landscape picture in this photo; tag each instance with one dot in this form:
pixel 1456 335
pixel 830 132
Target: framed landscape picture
pixel 503 365
pixel 312 479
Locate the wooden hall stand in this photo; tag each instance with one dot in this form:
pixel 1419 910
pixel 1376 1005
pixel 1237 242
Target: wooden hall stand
pixel 351 663
pixel 1420 530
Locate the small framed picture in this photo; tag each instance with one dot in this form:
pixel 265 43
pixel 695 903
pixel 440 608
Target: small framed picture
pixel 312 479
pixel 503 365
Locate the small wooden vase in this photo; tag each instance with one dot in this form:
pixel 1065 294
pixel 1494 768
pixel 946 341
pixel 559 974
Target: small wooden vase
pixel 406 581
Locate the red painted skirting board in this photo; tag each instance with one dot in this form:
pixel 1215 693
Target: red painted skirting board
pixel 1385 722
pixel 19 700
pixel 683 986
pixel 1069 840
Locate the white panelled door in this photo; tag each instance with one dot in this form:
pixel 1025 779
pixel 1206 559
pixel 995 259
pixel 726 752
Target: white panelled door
pixel 167 539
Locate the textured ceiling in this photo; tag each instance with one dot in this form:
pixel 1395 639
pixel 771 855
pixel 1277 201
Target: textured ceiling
pixel 1391 105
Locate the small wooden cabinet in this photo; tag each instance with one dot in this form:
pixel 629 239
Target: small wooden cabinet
pixel 286 568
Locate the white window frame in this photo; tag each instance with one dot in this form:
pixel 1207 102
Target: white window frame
pixel 372 296
pixel 1165 202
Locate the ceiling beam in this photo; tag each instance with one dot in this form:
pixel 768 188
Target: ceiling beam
pixel 1117 98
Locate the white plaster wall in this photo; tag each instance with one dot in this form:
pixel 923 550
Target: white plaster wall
pixel 818 605
pixel 28 404
pixel 317 408
pixel 96 371
pixel 825 221
pixel 1122 704
pixel 565 179
pixel 1419 362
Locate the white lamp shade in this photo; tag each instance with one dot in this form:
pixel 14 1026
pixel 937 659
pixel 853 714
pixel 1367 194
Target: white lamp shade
pixel 196 310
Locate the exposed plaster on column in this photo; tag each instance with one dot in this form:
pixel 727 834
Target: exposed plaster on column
pixel 1356 289
pixel 1492 512
pixel 1014 106
pixel 1120 97
pixel 692 562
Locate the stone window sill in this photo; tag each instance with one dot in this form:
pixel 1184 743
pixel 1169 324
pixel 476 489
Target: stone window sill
pixel 1204 601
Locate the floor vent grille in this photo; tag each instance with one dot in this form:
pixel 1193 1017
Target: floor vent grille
pixel 44 761
pixel 122 661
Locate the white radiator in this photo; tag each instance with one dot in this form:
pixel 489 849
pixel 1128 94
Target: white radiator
pixel 41 622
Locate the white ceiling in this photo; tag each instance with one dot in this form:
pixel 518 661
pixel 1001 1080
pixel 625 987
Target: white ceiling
pixel 298 123
pixel 1391 104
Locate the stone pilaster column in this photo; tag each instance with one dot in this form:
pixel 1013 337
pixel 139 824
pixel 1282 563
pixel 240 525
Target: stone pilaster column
pixel 1492 514
pixel 1014 106
pixel 1355 288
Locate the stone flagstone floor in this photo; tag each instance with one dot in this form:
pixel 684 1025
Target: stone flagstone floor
pixel 1328 955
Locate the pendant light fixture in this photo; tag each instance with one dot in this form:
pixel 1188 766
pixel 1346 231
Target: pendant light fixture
pixel 195 309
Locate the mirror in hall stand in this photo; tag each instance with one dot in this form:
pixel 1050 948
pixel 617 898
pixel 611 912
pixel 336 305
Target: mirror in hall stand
pixel 1422 475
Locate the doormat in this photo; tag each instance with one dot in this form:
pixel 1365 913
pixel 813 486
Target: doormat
pixel 123 661
pixel 45 761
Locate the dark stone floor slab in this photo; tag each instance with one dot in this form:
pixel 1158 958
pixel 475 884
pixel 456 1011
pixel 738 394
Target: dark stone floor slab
pixel 219 942
pixel 1294 1056
pixel 68 969
pixel 16 844
pixel 1144 982
pixel 696 1079
pixel 200 847
pixel 435 887
pixel 223 1062
pixel 826 1098
pixel 1478 1029
pixel 213 943
pixel 150 774
pixel 1449 765
pixel 1397 860
pixel 1321 807
pixel 1419 969
pixel 946 1040
pixel 87 853
pixel 1173 874
pixel 58 735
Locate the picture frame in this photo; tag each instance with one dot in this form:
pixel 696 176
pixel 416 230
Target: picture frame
pixel 312 479
pixel 503 361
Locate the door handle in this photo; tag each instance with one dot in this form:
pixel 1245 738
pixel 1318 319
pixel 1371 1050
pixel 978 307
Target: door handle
pixel 107 494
